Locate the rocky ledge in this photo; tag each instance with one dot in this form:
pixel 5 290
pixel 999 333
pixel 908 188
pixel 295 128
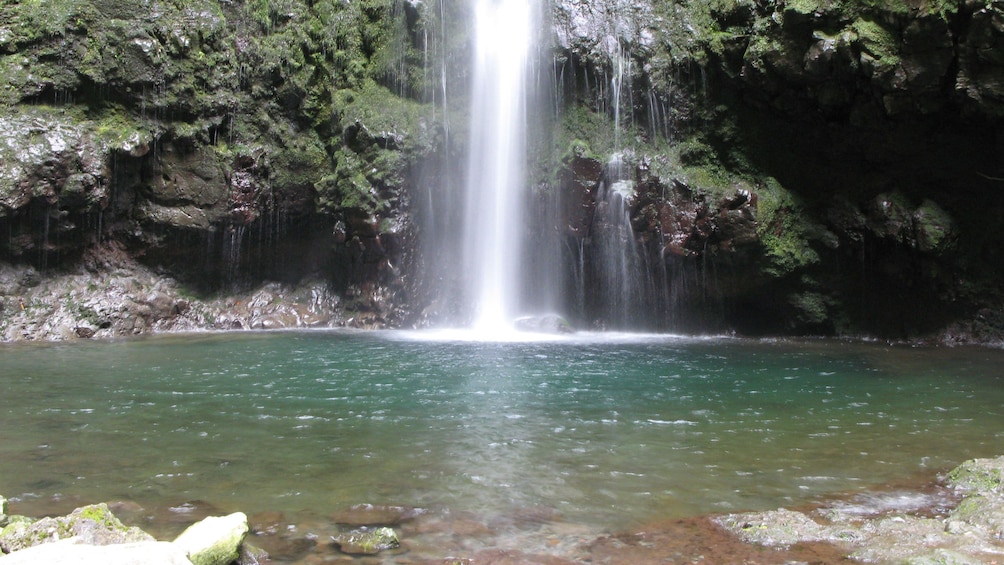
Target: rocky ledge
pixel 111 295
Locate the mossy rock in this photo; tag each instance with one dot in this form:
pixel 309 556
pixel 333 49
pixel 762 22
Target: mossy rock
pixel 979 476
pixel 94 525
pixel 367 542
pixel 984 510
pixel 783 230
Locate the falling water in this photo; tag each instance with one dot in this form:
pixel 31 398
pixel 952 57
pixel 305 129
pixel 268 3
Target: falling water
pixel 496 174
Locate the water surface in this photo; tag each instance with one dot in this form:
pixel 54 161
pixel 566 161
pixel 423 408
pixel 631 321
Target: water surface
pixel 607 430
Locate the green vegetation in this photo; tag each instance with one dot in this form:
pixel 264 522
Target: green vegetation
pixel 782 227
pixel 979 475
pixel 279 80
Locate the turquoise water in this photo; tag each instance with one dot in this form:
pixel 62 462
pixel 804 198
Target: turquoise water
pixel 610 430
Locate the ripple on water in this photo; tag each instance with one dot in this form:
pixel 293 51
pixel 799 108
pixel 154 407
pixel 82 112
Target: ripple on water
pixel 659 425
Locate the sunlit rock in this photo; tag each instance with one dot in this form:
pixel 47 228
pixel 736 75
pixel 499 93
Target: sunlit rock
pixel 73 552
pixel 777 528
pixel 215 540
pixel 95 525
pixel 979 475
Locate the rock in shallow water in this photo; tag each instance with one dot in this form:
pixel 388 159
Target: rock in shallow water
pixel 214 540
pixel 367 542
pixel 547 323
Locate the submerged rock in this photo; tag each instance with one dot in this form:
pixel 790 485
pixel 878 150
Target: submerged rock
pixel 367 542
pixel 546 323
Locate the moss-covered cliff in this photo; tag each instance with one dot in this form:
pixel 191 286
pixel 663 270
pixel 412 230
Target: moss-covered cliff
pixel 822 166
pixel 224 143
pixel 809 166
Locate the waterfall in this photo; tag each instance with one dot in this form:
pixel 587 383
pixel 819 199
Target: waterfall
pixel 496 185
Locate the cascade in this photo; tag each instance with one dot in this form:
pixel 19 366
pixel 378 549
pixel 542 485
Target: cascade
pixel 617 273
pixel 496 184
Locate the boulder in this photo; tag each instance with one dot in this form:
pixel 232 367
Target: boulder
pixel 215 540
pixel 73 552
pixel 3 511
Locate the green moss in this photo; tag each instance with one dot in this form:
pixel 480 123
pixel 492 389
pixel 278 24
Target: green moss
pixel 933 226
pixel 879 42
pixel 383 113
pixel 851 8
pixel 578 149
pixel 301 163
pixel 18 82
pixel 100 514
pixel 116 128
pixel 368 542
pixel 40 19
pixel 812 307
pixel 980 475
pixel 581 123
pixel 693 29
pixel 348 188
pixel 782 230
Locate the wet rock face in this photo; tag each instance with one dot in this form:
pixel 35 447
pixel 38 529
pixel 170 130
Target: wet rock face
pixel 53 180
pixel 855 61
pixel 580 181
pixel 876 124
pixel 200 136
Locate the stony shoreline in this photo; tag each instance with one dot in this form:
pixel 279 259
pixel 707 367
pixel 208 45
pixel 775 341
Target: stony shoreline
pixel 111 295
pixel 959 520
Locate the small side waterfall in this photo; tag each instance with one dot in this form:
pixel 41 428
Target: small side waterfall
pixel 496 186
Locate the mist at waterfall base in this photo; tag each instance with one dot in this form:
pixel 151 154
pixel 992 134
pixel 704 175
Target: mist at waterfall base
pixel 603 433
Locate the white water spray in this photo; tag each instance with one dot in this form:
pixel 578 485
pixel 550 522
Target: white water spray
pixel 496 173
